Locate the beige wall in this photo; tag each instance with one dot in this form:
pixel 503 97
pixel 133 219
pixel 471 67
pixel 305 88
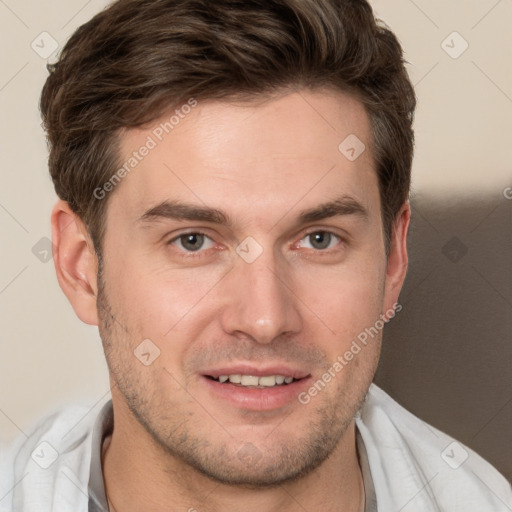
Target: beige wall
pixel 463 151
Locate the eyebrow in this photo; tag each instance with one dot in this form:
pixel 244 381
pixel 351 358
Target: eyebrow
pixel 184 211
pixel 177 210
pixel 346 205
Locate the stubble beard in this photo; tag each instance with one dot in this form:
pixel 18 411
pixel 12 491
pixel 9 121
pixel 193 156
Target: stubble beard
pixel 232 462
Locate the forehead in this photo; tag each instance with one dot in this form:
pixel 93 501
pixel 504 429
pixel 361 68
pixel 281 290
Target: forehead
pixel 264 153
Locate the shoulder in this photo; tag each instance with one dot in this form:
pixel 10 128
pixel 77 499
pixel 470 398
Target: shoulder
pixel 55 453
pixel 411 460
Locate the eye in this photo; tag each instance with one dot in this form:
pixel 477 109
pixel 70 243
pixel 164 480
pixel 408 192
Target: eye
pixel 320 240
pixel 192 242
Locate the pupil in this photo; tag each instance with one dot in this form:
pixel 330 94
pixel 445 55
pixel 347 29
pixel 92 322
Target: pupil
pixel 192 242
pixel 320 240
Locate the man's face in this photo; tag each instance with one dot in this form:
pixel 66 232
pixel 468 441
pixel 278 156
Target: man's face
pixel 245 243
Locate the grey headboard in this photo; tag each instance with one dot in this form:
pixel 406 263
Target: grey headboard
pixel 447 356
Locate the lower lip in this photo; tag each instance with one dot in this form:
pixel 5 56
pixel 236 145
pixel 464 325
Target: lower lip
pixel 257 399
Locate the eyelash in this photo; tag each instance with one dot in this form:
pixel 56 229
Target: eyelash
pixel 200 252
pixel 190 254
pixel 326 231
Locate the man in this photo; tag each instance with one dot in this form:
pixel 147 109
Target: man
pixel 233 181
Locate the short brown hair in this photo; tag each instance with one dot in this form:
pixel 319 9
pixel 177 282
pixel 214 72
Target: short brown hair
pixel 139 58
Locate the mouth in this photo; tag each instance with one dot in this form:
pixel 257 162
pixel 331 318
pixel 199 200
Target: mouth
pixel 253 381
pixel 256 389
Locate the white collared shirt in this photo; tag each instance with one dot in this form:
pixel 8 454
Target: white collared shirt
pixel 407 465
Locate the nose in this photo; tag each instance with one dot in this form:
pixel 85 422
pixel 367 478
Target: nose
pixel 261 304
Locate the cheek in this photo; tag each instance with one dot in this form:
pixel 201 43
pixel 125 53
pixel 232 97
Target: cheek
pixel 348 298
pixel 154 301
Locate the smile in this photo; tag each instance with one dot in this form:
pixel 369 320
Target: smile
pixel 253 381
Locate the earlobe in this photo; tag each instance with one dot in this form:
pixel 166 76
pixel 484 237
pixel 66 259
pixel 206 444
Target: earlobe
pixel 398 256
pixel 75 262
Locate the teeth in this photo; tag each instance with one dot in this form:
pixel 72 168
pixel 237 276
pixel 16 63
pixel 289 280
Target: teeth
pixel 269 380
pixel 249 380
pixel 252 380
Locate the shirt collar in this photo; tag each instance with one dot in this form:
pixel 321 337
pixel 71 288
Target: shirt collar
pixel 369 489
pixel 103 427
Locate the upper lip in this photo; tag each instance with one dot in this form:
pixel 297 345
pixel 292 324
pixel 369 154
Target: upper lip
pixel 261 371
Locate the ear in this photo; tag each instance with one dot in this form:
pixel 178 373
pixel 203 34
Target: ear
pixel 75 262
pixel 397 258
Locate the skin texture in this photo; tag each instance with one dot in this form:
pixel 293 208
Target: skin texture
pixel 262 163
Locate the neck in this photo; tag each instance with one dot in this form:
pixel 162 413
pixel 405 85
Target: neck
pixel 140 475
